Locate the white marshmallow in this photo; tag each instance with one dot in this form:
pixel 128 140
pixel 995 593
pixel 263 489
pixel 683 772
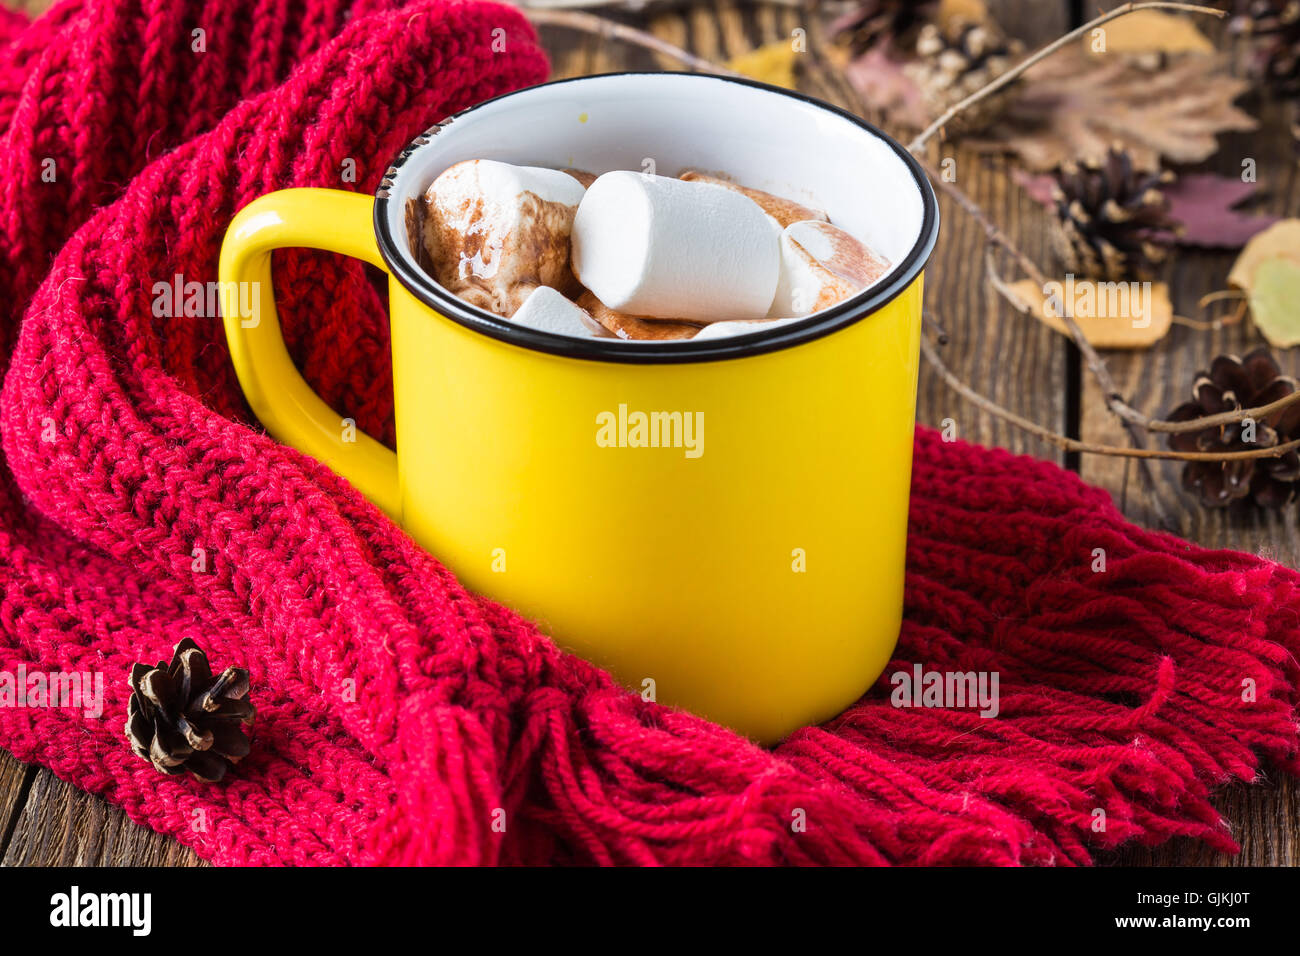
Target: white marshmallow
pixel 821 265
pixel 493 231
pixel 722 330
pixel 660 247
pixel 549 311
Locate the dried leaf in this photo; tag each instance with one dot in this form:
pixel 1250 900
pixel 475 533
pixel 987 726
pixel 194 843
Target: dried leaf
pixel 975 11
pixel 1070 107
pixel 1268 270
pixel 1202 204
pixel 882 83
pixel 1149 31
pixel 1280 241
pixel 771 63
pixel 1111 315
pixel 1275 301
pixel 1038 186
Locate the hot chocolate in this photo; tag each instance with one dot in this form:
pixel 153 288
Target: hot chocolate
pixel 632 255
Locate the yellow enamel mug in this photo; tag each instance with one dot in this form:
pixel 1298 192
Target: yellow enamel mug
pixel 721 523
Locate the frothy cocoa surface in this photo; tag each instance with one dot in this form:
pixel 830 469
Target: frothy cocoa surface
pixel 416 213
pixel 840 253
pixel 785 211
pixel 834 290
pixel 635 327
pixel 493 247
pixel 468 250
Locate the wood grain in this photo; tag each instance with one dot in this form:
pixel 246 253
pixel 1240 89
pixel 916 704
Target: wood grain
pixel 1159 378
pixel 63 826
pixel 15 779
pixel 1019 364
pixel 1266 819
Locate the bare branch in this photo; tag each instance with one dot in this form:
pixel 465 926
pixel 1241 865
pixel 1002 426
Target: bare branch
pixel 611 30
pixel 1131 418
pixel 1110 390
pixel 1131 415
pixel 1015 72
pixel 1065 443
pixel 992 232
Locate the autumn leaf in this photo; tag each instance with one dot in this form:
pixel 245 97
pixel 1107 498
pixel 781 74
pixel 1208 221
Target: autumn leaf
pixel 973 11
pixel 771 63
pixel 880 80
pixel 1200 203
pixel 1111 315
pixel 1279 241
pixel 1038 186
pixel 1268 271
pixel 1275 302
pixel 1070 107
pixel 1147 31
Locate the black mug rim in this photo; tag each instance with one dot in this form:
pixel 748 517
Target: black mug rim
pixel 422 285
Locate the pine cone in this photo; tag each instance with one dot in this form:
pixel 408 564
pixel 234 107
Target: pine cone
pixel 1110 217
pixel 1232 384
pixel 958 58
pixel 1273 27
pixel 181 718
pixel 875 20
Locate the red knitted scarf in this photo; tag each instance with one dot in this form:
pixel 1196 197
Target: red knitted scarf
pixel 129 141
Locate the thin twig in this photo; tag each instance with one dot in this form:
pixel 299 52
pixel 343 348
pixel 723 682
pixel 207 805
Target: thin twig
pixel 1206 325
pixel 992 232
pixel 1110 390
pixel 1147 480
pixel 1065 443
pixel 1014 73
pixel 1223 418
pixel 1132 415
pixel 1237 314
pixel 610 30
pixel 1129 417
pixel 940 335
pixel 1211 297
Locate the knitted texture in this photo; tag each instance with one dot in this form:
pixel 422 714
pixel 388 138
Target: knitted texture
pixel 127 446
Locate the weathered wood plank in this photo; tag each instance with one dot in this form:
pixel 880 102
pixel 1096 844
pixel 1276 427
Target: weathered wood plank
pixel 62 826
pixel 1017 363
pixel 1263 821
pixel 15 779
pixel 570 52
pixel 1158 379
pixel 1265 818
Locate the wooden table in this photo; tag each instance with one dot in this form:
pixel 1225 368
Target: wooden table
pixel 1020 364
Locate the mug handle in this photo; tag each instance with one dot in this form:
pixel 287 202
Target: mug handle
pixel 329 219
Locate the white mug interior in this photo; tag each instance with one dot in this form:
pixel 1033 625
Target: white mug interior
pixel 665 123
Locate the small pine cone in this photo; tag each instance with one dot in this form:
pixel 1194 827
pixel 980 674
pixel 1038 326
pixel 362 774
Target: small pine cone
pixel 957 59
pixel 872 21
pixel 181 718
pixel 1273 30
pixel 1232 384
pixel 1111 218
